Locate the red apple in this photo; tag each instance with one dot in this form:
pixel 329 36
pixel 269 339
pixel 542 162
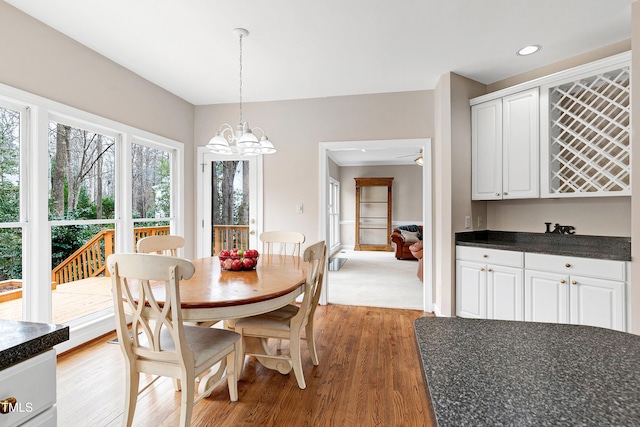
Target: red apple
pixel 224 253
pixel 236 265
pixel 228 263
pixel 247 263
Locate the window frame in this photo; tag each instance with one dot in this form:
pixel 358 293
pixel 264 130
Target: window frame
pixel 34 195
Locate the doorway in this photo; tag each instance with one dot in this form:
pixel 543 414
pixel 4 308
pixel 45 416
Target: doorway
pixel 423 144
pixel 229 208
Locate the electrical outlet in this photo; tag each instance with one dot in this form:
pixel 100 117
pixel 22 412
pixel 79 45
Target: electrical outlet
pixel 299 208
pixel 467 222
pixel 479 221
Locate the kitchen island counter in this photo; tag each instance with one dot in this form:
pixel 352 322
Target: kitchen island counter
pixel 493 372
pixel 21 340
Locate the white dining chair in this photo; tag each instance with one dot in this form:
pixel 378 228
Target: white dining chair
pixel 282 242
pixel 287 323
pixel 166 244
pixel 158 342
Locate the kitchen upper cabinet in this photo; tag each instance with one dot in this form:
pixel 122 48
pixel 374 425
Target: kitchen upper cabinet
pixel 505 147
pixel 586 130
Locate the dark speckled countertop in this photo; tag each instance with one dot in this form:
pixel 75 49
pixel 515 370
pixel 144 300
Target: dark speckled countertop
pixel 22 340
pixel 601 247
pixel 503 373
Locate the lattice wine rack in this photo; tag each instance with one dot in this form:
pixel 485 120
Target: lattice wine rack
pixel 589 135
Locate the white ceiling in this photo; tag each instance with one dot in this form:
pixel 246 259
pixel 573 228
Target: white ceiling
pixel 309 49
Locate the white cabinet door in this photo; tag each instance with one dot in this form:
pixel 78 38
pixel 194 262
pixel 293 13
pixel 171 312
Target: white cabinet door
pixel 520 145
pixel 597 302
pixel 486 150
pixel 504 293
pixel 546 297
pixel 471 290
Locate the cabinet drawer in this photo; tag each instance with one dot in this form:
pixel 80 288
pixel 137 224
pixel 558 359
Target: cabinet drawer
pixel 33 384
pixel 599 268
pixel 490 256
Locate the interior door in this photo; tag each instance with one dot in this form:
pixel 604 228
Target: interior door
pixel 229 213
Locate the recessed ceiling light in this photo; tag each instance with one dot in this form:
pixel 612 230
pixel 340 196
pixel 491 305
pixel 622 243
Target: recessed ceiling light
pixel 528 50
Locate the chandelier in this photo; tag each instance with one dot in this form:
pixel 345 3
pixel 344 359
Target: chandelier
pixel 240 140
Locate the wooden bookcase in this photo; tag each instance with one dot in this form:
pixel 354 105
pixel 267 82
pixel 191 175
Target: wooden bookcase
pixel 373 214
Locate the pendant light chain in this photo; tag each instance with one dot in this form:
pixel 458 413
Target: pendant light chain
pixel 240 79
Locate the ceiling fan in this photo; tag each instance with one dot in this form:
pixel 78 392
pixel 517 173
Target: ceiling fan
pixel 419 159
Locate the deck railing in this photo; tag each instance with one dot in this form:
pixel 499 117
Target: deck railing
pixel 90 259
pixel 227 237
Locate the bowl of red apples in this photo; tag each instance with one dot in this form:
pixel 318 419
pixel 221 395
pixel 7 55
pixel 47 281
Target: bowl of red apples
pixel 238 260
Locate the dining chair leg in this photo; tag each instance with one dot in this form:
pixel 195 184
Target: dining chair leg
pixel 131 394
pixel 232 373
pixel 296 360
pixel 240 346
pixel 186 401
pixel 311 343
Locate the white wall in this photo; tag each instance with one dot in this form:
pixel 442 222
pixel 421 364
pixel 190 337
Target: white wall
pixel 42 61
pixel 297 127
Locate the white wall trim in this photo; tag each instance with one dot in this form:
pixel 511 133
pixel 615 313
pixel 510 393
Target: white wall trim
pixel 427 200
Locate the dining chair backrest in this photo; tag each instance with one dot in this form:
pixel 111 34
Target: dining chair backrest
pixel 315 256
pixel 132 276
pixel 162 244
pixel 158 342
pixel 282 242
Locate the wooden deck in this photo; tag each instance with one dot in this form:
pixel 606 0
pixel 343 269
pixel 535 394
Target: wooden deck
pixel 70 300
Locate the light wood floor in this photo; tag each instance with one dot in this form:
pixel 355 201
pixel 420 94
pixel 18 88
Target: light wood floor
pixel 369 375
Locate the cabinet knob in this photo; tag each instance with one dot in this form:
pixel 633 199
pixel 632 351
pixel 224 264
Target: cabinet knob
pixel 488 269
pixel 7 405
pixel 561 280
pixel 482 269
pixel 573 282
pixel 497 194
pixel 505 193
pixel 485 256
pixel 567 265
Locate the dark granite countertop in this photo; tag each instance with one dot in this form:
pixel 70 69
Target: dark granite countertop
pixel 21 340
pixel 601 247
pixel 503 373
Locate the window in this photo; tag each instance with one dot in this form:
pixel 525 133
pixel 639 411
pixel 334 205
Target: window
pixel 72 218
pixel 334 214
pixel 151 190
pixel 12 125
pixel 81 212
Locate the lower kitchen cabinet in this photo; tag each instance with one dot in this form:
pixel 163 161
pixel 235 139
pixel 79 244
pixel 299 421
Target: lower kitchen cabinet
pixel 488 284
pixel 509 285
pixel 29 387
pixel 575 290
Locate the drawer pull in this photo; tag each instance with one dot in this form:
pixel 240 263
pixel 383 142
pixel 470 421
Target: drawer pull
pixel 573 282
pixel 567 265
pixel 485 256
pixel 561 280
pixel 7 405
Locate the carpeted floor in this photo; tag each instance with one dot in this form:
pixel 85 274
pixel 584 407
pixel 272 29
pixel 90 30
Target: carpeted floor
pixel 375 279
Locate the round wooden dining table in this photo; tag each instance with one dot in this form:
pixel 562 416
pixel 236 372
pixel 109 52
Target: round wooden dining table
pixel 214 294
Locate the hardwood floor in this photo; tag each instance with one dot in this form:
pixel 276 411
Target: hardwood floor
pixel 369 375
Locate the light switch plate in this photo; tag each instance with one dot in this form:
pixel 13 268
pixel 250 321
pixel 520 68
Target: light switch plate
pixel 299 208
